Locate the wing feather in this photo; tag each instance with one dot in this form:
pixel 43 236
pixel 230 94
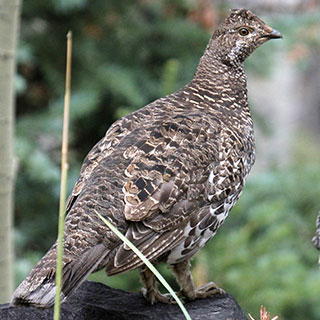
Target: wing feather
pixel 159 170
pixel 152 244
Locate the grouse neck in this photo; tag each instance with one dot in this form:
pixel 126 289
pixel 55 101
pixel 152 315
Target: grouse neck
pixel 214 73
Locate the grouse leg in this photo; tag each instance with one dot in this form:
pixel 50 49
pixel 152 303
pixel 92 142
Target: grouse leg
pixel 188 288
pixel 150 288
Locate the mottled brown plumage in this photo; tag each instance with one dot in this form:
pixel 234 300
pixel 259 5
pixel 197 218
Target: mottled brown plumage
pixel 316 238
pixel 166 175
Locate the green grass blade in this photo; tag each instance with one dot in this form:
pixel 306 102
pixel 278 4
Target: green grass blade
pixel 147 263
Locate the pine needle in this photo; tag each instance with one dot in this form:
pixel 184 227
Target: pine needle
pixel 147 263
pixel 63 184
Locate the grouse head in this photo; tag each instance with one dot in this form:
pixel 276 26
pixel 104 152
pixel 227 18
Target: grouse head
pixel 238 36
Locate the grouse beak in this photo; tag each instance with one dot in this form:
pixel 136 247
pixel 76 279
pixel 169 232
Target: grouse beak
pixel 272 34
pixel 275 34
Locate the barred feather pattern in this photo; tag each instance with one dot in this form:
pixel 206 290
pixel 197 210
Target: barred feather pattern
pixel 316 238
pixel 166 175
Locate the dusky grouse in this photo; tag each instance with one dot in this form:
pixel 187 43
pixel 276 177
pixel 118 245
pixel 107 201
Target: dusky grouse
pixel 166 176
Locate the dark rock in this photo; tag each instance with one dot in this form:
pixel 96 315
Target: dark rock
pixel 96 301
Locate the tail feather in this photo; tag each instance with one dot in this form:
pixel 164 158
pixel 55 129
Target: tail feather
pixel 39 288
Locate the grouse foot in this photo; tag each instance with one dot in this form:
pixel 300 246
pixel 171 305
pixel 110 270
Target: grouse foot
pixel 157 296
pixel 150 288
pixel 206 291
pixel 183 275
pixel 188 289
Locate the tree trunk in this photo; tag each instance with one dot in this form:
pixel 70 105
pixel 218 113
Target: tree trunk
pixel 9 21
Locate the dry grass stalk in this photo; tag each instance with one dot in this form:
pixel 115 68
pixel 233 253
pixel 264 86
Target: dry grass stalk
pixel 64 173
pixel 264 315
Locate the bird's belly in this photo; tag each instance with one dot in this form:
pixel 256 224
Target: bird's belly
pixel 187 248
pixel 223 193
pixel 223 189
pixel 198 234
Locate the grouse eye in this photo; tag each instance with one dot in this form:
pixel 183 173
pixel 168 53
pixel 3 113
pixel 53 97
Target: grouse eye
pixel 243 32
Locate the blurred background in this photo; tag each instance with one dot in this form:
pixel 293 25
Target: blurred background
pixel 129 53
